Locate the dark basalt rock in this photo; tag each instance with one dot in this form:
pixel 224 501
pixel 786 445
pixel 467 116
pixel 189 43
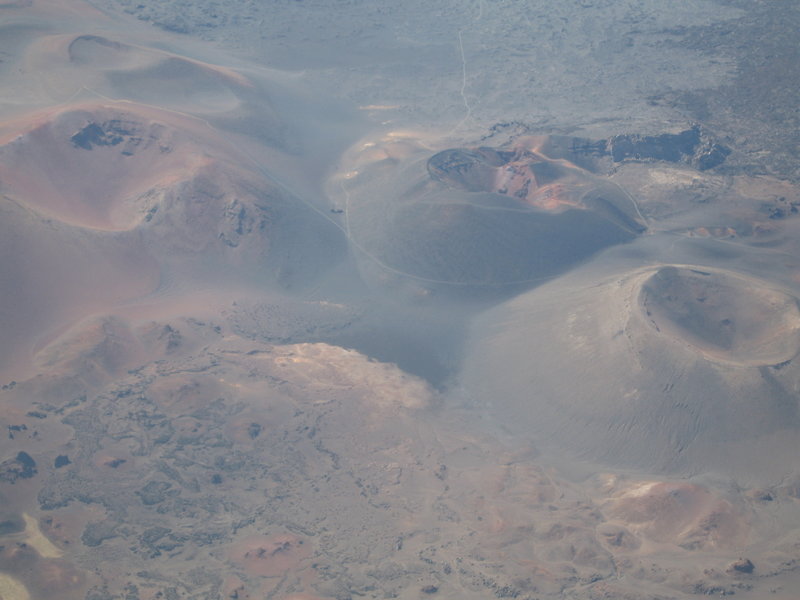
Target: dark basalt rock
pixel 667 146
pixel 254 430
pixel 110 133
pixel 743 565
pixel 154 492
pixel 21 467
pixel 459 159
pixel 692 146
pixel 709 156
pixel 464 167
pixel 96 533
pixel 11 525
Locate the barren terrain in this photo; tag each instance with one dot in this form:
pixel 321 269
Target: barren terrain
pixel 399 300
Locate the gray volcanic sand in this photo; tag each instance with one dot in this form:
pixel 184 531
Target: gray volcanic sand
pixel 667 369
pixel 729 319
pixel 454 224
pixel 313 304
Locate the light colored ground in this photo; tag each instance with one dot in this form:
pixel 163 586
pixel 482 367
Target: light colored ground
pixel 36 538
pixel 11 589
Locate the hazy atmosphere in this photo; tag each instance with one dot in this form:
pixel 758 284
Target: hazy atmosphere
pixel 328 300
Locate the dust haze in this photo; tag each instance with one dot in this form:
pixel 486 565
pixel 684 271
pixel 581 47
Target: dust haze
pixel 399 300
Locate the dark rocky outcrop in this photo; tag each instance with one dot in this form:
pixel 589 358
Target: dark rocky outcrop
pixel 742 566
pixel 667 146
pixel 110 133
pixel 11 525
pixel 154 492
pixel 692 146
pixel 96 533
pixel 21 467
pixel 467 168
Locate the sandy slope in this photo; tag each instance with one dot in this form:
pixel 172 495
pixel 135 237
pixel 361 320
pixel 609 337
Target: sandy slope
pixel 466 220
pixel 108 199
pixel 676 369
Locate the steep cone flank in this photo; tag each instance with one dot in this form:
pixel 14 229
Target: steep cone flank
pixel 722 315
pixel 674 369
pixel 477 217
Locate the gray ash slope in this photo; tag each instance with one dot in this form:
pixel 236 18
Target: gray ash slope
pixel 473 220
pixel 677 370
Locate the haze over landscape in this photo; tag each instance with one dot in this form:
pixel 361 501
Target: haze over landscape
pixel 316 301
